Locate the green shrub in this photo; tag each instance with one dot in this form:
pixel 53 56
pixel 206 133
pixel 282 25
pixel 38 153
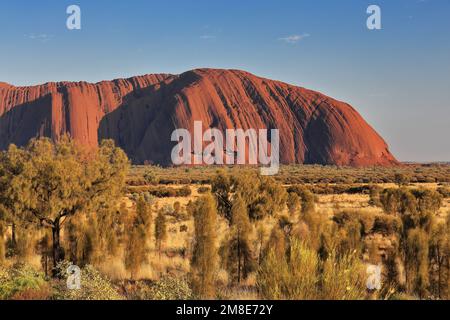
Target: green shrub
pixel 21 279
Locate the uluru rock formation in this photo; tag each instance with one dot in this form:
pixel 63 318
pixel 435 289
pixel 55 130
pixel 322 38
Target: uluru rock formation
pixel 140 114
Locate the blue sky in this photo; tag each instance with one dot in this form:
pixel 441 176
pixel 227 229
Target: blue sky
pixel 398 78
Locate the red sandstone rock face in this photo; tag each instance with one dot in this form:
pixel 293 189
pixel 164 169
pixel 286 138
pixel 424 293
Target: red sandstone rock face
pixel 140 114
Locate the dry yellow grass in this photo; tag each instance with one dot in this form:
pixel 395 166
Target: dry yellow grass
pixel 176 250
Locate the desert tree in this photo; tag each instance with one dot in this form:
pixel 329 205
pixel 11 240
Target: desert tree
pixel 49 183
pixel 277 241
pixel 138 231
pixel 391 269
pixel 440 258
pixel 374 194
pixel 415 207
pixel 293 202
pixel 73 239
pixel 261 235
pixel 177 208
pixel 2 242
pixel 222 186
pixel 136 253
pixel 44 249
pixel 417 272
pixel 348 233
pixel 401 179
pixel 160 229
pixel 315 224
pixel 204 261
pixel 236 251
pixel 25 243
pixel 307 199
pixel 144 215
pixel 83 243
pixel 262 195
pixel 428 204
pixel 109 223
pixel 95 246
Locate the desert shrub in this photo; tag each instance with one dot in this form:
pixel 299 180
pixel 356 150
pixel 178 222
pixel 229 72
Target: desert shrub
pixel 416 207
pixel 417 251
pixel 135 182
pixel 263 195
pixel 166 192
pixel 317 224
pixel 307 198
pixel 160 229
pixel 186 181
pixel 163 192
pixel 94 286
pixel 167 288
pixel 135 254
pixel 387 224
pixel 343 217
pixel 305 276
pixel 204 260
pixel 293 202
pixel 439 257
pixel 278 242
pixel 236 250
pixel 306 174
pixel 374 194
pixel 394 200
pixel 296 279
pixel 444 191
pixel 151 178
pixel 365 220
pixel 427 200
pixel 401 296
pixel 348 238
pixel 2 242
pixel 402 179
pixel 339 188
pixel 342 278
pixel 203 190
pixel 22 282
pixel 184 191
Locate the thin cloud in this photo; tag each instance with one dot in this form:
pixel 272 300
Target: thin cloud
pixel 43 37
pixel 295 38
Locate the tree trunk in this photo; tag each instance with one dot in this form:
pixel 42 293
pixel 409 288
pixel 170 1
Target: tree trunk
pixel 13 234
pixel 439 262
pixel 57 250
pixel 239 257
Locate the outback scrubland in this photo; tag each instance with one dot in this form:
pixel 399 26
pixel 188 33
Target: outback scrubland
pixel 146 232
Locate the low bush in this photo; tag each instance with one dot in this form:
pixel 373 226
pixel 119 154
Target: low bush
pixel 167 288
pixel 94 286
pixel 203 190
pixel 22 282
pixel 387 224
pixel 444 191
